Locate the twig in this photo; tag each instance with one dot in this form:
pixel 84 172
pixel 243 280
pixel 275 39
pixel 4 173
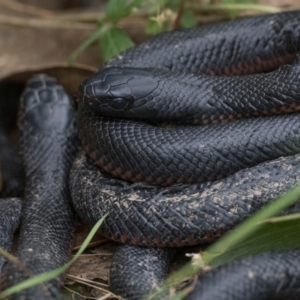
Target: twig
pixel 93 284
pixel 76 293
pixel 109 294
pixel 16 262
pixel 191 287
pixel 43 23
pixel 90 16
pixel 180 11
pixel 96 254
pixel 98 284
pixel 25 8
pixel 94 16
pixel 93 244
pixel 229 7
pixel 76 21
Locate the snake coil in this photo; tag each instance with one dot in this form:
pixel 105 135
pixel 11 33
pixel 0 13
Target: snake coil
pixel 119 115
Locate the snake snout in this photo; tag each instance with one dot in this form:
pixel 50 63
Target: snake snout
pixel 118 92
pixel 45 106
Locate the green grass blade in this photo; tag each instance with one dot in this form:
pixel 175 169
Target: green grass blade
pixel 283 218
pixel 251 225
pixel 40 278
pixel 88 238
pixel 93 37
pixel 280 236
pixel 224 249
pixel 113 42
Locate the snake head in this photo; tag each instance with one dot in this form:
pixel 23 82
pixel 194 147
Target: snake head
pixel 119 92
pixel 45 107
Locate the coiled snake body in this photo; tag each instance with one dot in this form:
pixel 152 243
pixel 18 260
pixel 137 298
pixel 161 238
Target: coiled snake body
pixel 260 154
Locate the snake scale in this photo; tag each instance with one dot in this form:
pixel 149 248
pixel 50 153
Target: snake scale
pixel 259 161
pixel 120 133
pixel 48 143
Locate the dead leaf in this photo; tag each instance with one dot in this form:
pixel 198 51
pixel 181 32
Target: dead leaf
pixel 30 44
pixel 24 49
pixel 92 267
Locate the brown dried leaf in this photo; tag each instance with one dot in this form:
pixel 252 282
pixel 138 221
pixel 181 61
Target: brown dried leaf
pixel 31 44
pixel 24 49
pixel 92 267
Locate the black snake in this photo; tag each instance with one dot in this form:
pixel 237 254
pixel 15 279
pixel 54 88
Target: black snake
pixel 188 214
pixel 48 145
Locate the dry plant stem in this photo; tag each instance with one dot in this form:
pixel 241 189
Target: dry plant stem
pixel 96 254
pixel 93 244
pixel 192 286
pixel 180 11
pixel 93 16
pixel 98 284
pixel 43 23
pixel 76 21
pixel 229 7
pixel 109 294
pixel 86 16
pixel 16 261
pixel 25 8
pixel 76 293
pixel 53 23
pixel 93 285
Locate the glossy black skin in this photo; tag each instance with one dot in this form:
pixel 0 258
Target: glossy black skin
pixel 267 276
pixel 244 46
pixel 179 215
pixel 117 90
pixel 48 142
pixel 284 24
pixel 247 46
pixel 183 98
pixel 135 151
pixel 150 262
pixel 10 217
pixel 152 215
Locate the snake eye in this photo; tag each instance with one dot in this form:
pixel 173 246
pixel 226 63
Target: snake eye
pixel 118 103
